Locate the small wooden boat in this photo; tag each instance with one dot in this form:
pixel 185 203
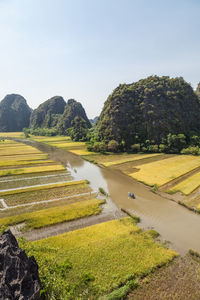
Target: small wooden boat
pixel 131 195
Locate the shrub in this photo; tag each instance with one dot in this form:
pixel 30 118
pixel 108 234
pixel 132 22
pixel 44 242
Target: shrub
pixel 163 148
pixel 102 191
pixel 153 148
pixel 135 147
pixel 113 146
pixel 191 150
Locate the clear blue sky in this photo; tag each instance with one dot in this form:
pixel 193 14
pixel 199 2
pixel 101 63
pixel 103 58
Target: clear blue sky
pixel 83 49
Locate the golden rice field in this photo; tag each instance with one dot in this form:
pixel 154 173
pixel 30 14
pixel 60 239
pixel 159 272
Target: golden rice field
pixel 30 170
pixel 27 157
pixel 12 134
pixel 163 171
pixel 112 253
pixel 188 185
pixel 55 215
pixel 46 139
pixel 79 148
pixel 19 150
pixel 80 152
pixel 6 163
pixel 129 158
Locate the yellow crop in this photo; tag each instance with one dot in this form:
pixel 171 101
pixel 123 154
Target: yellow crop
pixel 163 171
pixel 81 152
pixel 128 159
pixel 31 170
pixel 11 134
pixel 188 185
pixel 56 215
pixel 110 251
pixel 23 157
pixel 4 163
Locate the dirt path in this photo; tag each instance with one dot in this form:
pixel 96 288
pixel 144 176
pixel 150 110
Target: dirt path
pixel 178 281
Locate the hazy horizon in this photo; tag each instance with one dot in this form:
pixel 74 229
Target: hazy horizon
pixel 83 49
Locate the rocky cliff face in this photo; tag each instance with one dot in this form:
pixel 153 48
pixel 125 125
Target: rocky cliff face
pixel 48 113
pixel 14 113
pixel 19 278
pixel 72 110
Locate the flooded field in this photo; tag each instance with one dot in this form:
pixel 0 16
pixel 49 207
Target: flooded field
pixel 37 191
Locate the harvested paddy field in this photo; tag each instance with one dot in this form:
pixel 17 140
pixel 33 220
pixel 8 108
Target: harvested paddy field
pixel 42 193
pixel 109 255
pixel 179 281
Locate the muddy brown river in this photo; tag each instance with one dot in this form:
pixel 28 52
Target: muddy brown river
pixel 175 223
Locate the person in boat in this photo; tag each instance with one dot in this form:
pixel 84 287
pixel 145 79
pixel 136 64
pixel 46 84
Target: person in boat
pixel 131 195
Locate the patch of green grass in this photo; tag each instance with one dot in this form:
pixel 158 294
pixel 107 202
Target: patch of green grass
pixel 55 215
pixel 42 187
pixel 154 188
pixel 112 253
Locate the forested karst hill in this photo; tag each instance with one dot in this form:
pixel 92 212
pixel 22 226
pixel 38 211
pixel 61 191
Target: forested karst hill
pixel 72 110
pixel 14 113
pixel 149 110
pixel 48 113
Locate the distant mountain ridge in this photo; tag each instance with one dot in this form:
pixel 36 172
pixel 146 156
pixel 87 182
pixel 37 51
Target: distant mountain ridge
pixel 14 113
pixel 94 121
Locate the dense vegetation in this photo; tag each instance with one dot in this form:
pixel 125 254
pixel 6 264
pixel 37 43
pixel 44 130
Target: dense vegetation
pixel 156 114
pixel 48 113
pixel 56 117
pixel 69 118
pixel 14 113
